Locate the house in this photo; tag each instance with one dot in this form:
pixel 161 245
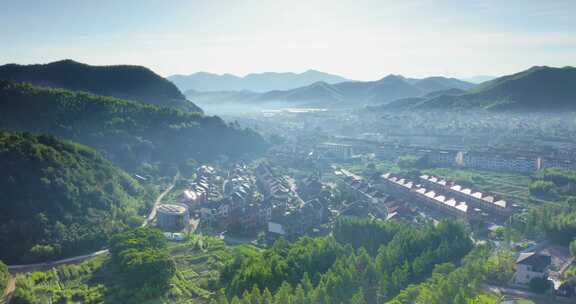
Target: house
pixel 531 265
pixel 297 221
pixel 310 187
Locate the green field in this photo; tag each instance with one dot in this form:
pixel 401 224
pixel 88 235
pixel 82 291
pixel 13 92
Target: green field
pixel 512 186
pixel 94 281
pixel 379 166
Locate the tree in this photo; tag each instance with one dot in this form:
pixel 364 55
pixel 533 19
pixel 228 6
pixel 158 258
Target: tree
pixel 358 297
pixel 543 189
pixel 539 285
pixel 143 260
pixel 23 296
pixel 4 276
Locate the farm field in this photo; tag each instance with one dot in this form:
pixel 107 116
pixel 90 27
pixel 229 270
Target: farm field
pixel 94 281
pixel 511 186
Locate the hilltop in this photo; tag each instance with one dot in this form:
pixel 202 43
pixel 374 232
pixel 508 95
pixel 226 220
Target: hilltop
pixel 129 82
pixel 65 198
pixel 128 133
pixel 539 88
pixel 256 82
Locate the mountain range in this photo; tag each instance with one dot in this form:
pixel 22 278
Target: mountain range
pixel 129 82
pixel 342 94
pixel 255 82
pixel 539 88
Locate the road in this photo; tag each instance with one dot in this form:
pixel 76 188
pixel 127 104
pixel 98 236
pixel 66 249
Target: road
pixel 80 258
pixel 40 266
pixel 537 298
pixel 158 200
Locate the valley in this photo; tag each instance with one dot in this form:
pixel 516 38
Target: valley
pixel 274 152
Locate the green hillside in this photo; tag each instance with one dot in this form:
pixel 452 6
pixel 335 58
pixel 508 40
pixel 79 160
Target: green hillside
pixel 122 81
pixel 128 133
pixel 538 88
pixel 60 198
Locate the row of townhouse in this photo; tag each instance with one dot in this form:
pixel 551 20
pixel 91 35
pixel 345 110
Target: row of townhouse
pixel 434 157
pixel 295 221
pixel 486 201
pixel 290 217
pixel 271 186
pixel 499 162
pixel 199 191
pixel 565 164
pixel 480 160
pixel 361 188
pixel 416 192
pixel 238 209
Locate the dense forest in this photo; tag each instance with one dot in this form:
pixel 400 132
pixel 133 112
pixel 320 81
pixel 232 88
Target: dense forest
pixel 553 184
pixel 128 133
pixel 461 285
pixel 556 222
pixel 135 83
pixel 61 198
pixel 424 264
pixel 344 269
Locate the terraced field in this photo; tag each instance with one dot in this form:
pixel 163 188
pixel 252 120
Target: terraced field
pixel 94 281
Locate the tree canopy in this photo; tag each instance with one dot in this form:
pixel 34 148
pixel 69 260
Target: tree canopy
pixel 128 133
pixel 65 198
pixel 142 258
pixel 376 265
pixel 4 275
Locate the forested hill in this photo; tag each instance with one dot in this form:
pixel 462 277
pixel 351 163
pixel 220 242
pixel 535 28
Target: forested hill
pixel 123 81
pixel 129 133
pixel 60 198
pixel 539 88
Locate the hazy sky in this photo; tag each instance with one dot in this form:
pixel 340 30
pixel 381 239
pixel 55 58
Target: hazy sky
pixel 360 39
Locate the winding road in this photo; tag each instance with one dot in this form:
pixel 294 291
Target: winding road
pixel 77 259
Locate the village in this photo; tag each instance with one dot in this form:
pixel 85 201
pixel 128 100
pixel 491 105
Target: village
pixel 260 202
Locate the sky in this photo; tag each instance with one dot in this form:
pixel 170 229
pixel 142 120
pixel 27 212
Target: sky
pixel 358 39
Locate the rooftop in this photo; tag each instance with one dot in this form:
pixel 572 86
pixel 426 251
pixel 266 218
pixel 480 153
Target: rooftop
pixel 539 262
pixel 171 209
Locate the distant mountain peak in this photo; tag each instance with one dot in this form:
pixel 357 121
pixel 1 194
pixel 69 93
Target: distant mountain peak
pixel 65 61
pixel 256 82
